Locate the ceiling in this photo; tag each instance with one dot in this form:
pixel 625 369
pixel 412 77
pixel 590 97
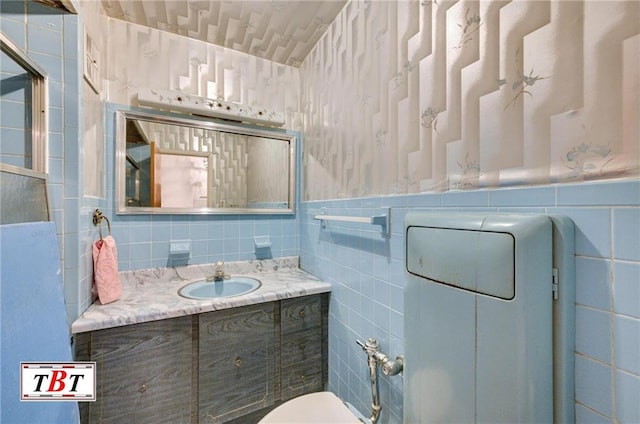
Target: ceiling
pixel 281 31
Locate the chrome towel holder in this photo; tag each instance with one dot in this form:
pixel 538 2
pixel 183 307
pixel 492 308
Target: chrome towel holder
pixel 97 220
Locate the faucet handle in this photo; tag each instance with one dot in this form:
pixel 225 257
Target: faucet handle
pixel 219 267
pixel 371 345
pixel 218 273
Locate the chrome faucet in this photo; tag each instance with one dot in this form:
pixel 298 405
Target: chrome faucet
pixel 218 273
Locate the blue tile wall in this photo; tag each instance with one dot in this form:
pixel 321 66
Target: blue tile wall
pixel 593 286
pixel 12 27
pixel 627 344
pixel 593 385
pixel 626 288
pixel 593 324
pixel 627 245
pixel 44 40
pixel 367 274
pixel 627 405
pixel 42 32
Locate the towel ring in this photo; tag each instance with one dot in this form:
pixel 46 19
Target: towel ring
pixel 97 220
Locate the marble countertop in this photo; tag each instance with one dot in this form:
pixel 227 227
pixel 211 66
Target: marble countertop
pixel 152 294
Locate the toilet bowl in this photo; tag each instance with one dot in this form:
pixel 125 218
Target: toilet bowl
pixel 319 407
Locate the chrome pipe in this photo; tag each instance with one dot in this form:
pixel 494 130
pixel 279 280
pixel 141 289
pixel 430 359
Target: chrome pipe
pixel 371 347
pixel 389 367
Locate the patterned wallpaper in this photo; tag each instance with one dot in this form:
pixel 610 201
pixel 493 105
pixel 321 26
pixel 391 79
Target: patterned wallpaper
pixel 435 95
pixel 139 56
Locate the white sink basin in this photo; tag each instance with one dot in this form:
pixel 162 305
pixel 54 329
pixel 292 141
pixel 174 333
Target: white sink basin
pixel 234 286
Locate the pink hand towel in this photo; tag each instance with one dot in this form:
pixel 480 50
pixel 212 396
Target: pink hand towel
pixel 105 270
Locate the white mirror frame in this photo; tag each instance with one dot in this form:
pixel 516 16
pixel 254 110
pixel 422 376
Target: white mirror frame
pixel 210 124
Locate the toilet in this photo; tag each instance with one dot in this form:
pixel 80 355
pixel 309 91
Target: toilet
pixel 319 407
pixel 489 333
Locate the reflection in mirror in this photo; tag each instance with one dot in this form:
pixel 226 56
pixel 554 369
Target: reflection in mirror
pixel 169 164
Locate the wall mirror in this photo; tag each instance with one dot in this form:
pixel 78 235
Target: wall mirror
pixel 167 164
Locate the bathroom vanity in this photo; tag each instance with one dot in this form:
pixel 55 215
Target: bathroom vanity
pixel 204 361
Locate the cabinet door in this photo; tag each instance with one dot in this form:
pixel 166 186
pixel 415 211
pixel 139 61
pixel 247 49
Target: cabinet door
pixel 236 362
pixel 301 363
pixel 143 373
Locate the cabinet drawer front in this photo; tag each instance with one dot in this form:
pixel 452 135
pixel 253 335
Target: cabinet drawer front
pixel 230 326
pixel 301 313
pixel 301 378
pixel 302 347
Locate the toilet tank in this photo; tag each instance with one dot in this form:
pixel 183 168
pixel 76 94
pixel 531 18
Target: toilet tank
pixel 479 319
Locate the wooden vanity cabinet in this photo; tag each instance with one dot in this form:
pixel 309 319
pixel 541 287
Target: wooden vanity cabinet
pixel 143 372
pixel 232 365
pixel 236 362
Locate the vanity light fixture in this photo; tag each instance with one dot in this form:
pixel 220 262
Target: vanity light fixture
pixel 196 105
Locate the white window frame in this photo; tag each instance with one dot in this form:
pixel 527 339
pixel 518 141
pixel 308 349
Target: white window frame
pixel 39 103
